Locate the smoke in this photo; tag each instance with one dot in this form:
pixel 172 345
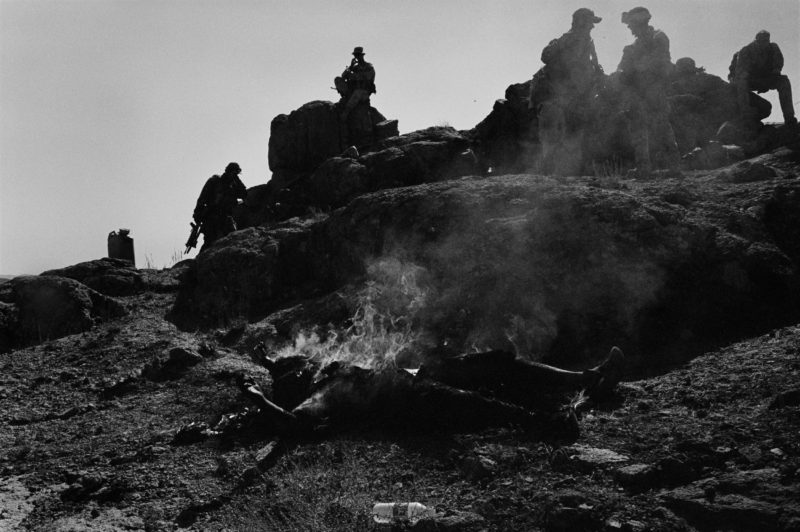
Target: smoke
pixel 538 270
pixel 533 270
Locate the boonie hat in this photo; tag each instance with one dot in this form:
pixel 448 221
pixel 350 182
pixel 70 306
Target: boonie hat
pixel 587 14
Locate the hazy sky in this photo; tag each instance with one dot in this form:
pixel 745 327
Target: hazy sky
pixel 115 112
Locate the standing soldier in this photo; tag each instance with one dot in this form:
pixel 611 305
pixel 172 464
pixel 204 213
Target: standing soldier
pixel 562 93
pixel 757 67
pixel 644 71
pixel 214 210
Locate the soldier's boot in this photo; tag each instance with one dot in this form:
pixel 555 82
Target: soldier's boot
pixel 602 379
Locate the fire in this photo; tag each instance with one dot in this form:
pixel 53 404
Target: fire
pixel 382 326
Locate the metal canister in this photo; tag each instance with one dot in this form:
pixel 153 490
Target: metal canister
pixel 120 246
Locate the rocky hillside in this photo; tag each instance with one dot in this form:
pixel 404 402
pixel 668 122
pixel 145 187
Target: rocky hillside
pixel 121 395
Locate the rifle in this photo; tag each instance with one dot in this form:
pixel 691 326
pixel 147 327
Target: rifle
pixel 193 235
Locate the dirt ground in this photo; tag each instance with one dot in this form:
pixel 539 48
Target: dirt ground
pixel 96 434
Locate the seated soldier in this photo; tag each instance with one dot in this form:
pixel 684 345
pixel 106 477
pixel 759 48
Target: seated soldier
pixel 356 83
pixel 701 102
pixel 466 392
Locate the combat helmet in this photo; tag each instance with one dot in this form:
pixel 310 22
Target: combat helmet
pixel 637 15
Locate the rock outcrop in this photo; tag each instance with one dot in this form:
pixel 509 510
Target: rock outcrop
pixel 560 266
pixel 112 277
pixel 432 154
pixel 507 139
pixel 38 308
pixel 302 140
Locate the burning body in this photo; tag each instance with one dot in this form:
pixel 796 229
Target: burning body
pixel 465 392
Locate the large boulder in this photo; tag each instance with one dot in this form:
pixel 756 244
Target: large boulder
pixel 553 267
pixel 112 277
pixel 34 309
pixel 302 140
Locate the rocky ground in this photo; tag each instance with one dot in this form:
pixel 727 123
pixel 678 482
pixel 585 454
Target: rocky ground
pixel 97 434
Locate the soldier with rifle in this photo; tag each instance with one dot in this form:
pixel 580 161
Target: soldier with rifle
pixel 644 71
pixel 213 214
pixel 356 83
pixel 562 93
pixel 355 86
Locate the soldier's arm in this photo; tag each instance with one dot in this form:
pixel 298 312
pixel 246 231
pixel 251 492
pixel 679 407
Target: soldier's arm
pixel 202 200
pixel 239 189
pixel 370 73
pixel 777 59
pixel 593 54
pixel 663 62
pixel 742 64
pixel 625 67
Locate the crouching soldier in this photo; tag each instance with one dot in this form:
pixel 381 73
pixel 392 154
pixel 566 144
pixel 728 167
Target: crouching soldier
pixel 213 213
pixel 757 67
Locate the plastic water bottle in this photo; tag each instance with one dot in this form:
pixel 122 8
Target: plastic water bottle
pixel 385 513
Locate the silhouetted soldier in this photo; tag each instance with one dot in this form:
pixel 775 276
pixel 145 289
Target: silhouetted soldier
pixel 562 92
pixel 701 102
pixel 356 83
pixel 644 70
pixel 355 86
pixel 757 67
pixel 214 209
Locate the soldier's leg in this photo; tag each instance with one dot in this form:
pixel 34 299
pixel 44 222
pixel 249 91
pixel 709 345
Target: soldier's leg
pixel 356 98
pixel 743 98
pixel 211 232
pixel 341 88
pixel 640 138
pixel 520 380
pixel 784 87
pixel 638 122
pixel 665 140
pixel 552 129
pixel 439 405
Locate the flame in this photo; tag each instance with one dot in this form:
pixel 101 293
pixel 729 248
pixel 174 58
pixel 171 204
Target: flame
pixel 382 325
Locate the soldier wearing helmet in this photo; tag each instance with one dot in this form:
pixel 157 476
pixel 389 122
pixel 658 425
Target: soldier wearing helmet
pixel 214 209
pixel 644 70
pixel 562 92
pixel 757 67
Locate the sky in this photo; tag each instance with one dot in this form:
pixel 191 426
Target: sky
pixel 113 113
